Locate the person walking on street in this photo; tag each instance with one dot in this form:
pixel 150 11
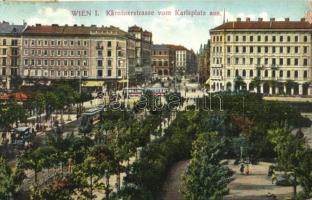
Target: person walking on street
pixel 273 177
pixel 247 170
pixel 242 168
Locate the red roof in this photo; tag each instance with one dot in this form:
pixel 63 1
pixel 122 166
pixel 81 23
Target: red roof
pixel 264 25
pixel 68 30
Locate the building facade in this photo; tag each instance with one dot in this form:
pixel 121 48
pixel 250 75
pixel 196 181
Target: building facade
pixel 182 58
pixel 271 57
pixel 10 43
pixel 163 60
pixel 77 52
pixel 191 68
pixel 143 44
pixel 203 63
pixel 185 60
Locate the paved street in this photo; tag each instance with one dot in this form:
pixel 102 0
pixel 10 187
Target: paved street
pixel 255 186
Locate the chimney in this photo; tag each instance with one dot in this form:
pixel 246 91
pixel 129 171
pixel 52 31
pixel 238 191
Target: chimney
pixel 238 19
pixel 287 19
pixel 272 19
pixel 260 19
pixel 38 25
pixel 302 19
pixel 248 19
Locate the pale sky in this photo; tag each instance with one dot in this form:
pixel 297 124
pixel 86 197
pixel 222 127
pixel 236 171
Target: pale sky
pixel 181 30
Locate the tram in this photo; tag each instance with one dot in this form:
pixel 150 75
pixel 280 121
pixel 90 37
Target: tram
pixel 90 118
pixel 22 135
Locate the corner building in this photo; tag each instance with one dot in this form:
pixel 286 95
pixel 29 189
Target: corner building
pixel 78 52
pixel 10 43
pixel 271 57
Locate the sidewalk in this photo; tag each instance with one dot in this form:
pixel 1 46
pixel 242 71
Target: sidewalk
pixel 255 186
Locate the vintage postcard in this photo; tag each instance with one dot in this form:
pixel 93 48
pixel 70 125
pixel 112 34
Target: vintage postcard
pixel 156 100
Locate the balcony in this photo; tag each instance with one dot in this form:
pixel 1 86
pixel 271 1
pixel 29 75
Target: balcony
pixel 274 66
pixel 99 47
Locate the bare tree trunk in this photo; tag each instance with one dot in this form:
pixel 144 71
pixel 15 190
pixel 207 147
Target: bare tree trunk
pixel 107 187
pixel 295 187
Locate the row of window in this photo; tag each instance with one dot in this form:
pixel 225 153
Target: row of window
pixel 55 73
pixel 160 52
pixel 160 63
pixel 181 59
pixel 261 38
pixel 243 73
pixel 263 61
pixel 55 42
pixel 261 49
pixel 100 73
pixel 100 63
pixel 45 52
pixel 14 52
pixel 14 61
pixel 40 62
pixel 109 53
pixel 99 44
pixel 14 42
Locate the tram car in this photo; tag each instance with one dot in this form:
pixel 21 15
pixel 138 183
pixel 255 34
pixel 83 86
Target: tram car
pixel 22 135
pixel 90 118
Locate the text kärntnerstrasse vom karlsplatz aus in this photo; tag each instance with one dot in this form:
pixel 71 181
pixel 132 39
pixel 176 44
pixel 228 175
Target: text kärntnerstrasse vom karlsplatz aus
pixel 176 12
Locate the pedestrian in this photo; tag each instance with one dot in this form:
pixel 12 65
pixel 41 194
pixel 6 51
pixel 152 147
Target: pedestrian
pixel 247 170
pixel 273 177
pixel 242 168
pixel 270 171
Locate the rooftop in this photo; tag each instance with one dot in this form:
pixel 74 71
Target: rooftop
pixel 260 24
pixel 56 29
pixel 7 28
pixel 135 28
pixel 160 46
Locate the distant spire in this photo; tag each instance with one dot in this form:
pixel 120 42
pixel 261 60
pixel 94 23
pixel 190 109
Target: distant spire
pixel 223 15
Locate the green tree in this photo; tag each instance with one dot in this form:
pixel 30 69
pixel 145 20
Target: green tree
pixel 239 83
pixel 256 83
pixel 289 149
pixel 206 176
pixel 7 187
pixel 52 103
pixel 38 159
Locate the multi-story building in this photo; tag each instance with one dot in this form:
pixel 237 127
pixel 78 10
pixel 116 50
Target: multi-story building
pixel 163 60
pixel 203 61
pixel 185 60
pixel 192 66
pixel 143 43
pixel 78 52
pixel 112 56
pixel 182 56
pixel 271 56
pixel 10 42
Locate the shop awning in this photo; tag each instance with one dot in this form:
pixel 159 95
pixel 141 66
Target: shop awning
pixel 92 84
pixel 123 81
pixel 4 97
